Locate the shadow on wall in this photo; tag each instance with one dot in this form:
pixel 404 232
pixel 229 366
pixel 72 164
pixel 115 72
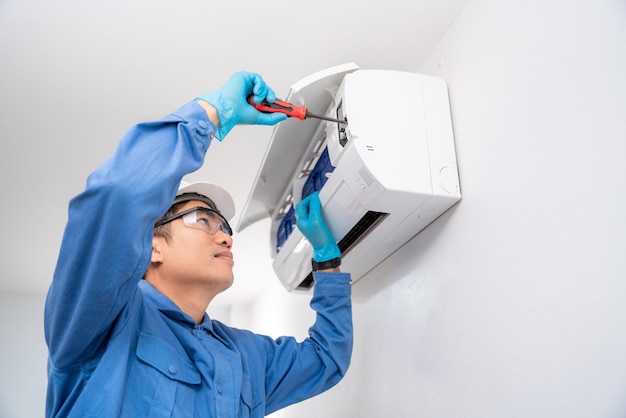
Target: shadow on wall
pixel 403 261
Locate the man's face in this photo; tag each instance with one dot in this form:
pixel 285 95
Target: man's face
pixel 195 257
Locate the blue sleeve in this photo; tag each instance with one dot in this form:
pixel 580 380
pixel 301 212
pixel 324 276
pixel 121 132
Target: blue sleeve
pixel 106 245
pixel 297 371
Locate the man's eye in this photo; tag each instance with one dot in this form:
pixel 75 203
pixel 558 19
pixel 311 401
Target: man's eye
pixel 203 221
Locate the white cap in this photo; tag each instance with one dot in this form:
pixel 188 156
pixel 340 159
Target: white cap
pixel 216 197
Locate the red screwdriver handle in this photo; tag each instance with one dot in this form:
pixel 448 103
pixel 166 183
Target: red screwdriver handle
pixel 279 106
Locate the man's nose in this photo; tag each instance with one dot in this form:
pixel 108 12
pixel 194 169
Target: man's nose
pixel 222 238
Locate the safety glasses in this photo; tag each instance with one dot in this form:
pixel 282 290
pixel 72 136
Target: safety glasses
pixel 202 218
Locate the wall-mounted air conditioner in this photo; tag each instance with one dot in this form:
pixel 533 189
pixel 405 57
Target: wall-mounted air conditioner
pixel 382 177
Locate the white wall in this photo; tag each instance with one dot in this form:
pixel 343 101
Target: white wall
pixel 511 304
pixel 23 355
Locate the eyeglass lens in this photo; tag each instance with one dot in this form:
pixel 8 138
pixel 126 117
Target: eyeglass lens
pixel 206 220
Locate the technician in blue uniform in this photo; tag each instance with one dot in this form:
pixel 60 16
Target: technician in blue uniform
pixel 125 319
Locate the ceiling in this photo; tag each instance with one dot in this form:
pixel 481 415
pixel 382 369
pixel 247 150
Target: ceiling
pixel 75 75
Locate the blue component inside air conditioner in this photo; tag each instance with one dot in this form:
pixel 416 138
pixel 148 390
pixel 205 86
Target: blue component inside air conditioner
pixel 314 182
pixel 318 176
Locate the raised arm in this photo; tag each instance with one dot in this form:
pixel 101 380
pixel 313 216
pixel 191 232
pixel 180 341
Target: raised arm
pixel 107 241
pixel 299 371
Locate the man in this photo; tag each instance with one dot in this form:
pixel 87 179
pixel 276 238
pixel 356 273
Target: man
pixel 125 319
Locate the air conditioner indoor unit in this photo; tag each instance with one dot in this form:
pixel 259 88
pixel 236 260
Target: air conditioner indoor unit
pixel 382 177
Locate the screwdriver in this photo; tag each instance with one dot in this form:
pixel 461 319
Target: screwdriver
pixel 299 112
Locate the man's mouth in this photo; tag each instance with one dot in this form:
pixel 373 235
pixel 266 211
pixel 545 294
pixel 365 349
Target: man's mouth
pixel 225 255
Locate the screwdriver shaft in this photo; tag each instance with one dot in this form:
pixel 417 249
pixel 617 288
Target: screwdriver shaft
pixel 311 115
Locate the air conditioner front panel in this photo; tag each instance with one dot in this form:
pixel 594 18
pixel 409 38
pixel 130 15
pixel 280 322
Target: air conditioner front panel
pixel 381 178
pixel 288 141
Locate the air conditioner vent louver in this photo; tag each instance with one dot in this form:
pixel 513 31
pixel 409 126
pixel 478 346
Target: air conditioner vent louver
pixel 360 230
pixel 352 238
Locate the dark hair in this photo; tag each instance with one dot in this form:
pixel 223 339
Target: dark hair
pixel 164 230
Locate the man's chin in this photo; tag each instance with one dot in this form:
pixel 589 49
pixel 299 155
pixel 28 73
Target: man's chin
pixel 227 283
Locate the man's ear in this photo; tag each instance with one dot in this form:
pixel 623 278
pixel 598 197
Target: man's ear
pixel 157 249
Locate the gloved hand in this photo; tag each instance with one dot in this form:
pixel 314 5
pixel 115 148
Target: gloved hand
pixel 309 221
pixel 233 108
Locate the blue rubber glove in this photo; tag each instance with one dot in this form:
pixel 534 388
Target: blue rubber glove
pixel 232 105
pixel 310 222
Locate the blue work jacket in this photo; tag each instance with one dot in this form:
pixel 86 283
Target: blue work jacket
pixel 120 348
